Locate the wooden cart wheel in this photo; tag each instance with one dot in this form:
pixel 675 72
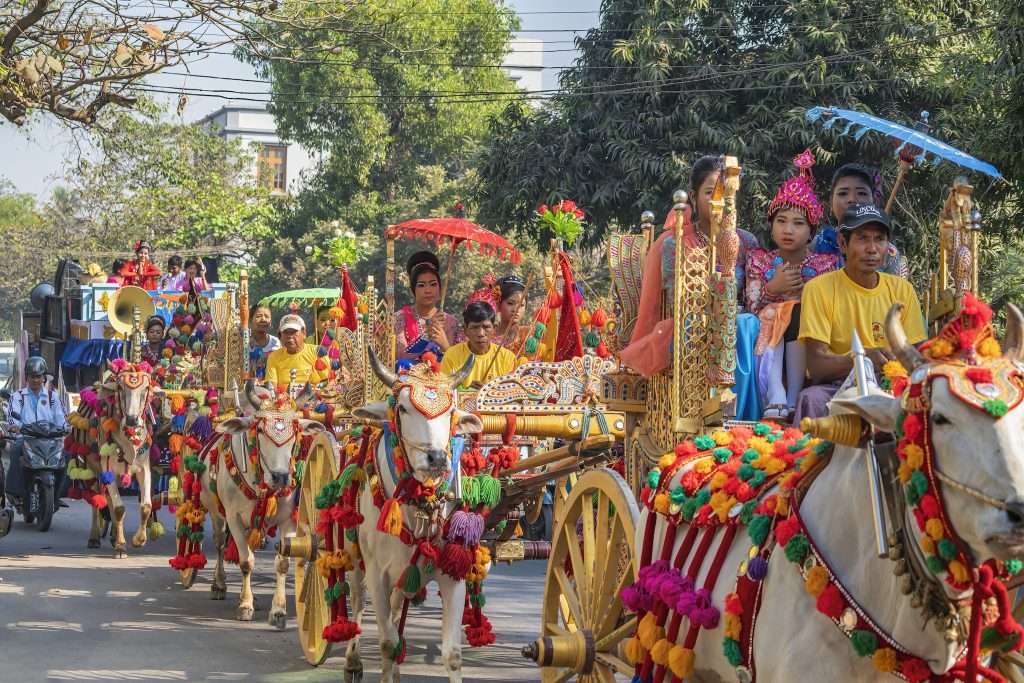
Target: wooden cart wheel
pixel 592 559
pixel 563 488
pixel 311 610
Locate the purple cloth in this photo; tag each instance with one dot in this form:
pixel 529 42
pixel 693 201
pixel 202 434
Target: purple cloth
pixel 813 401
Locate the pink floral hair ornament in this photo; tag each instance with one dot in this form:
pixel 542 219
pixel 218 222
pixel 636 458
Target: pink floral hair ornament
pixel 490 293
pixel 798 192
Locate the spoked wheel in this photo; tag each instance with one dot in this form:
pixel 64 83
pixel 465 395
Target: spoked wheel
pixel 311 610
pixel 592 558
pixel 563 488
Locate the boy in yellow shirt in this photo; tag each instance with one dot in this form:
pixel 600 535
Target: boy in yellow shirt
pixel 491 359
pixel 858 297
pixel 294 354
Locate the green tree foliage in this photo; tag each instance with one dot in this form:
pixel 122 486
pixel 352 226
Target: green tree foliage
pixel 389 117
pixel 660 83
pixel 179 185
pixel 24 255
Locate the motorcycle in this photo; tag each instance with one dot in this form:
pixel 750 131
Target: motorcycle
pixel 6 513
pixel 43 465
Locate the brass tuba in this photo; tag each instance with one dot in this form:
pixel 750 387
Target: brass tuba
pixel 122 306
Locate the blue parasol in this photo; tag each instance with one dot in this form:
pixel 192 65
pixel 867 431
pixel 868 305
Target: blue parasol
pixel 913 145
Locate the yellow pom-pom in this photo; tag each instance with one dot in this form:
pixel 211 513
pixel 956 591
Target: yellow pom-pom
pixel 816 580
pixel 336 312
pixel 271 507
pixel 808 461
pixel 884 659
pixel 940 348
pixel 959 572
pixel 659 653
pixel 661 503
pixel 933 527
pixel 634 651
pixel 733 626
pixel 927 544
pixel 680 662
pixel 722 438
pixel 775 465
pixel 649 631
pixel 914 456
pixel 990 348
pixel 584 316
pixel 719 480
pixel 893 369
pixel 665 461
pixel 704 466
pixel 782 506
pixel 904 472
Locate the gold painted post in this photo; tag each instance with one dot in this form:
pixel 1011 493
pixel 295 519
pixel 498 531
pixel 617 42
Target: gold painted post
pixel 679 201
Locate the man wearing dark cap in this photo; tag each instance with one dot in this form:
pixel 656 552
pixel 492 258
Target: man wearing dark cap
pixel 857 297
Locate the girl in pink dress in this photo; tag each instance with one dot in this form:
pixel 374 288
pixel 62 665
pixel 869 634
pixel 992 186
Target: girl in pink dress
pixel 775 280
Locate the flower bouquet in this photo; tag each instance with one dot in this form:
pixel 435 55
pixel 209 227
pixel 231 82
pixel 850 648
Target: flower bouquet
pixel 565 220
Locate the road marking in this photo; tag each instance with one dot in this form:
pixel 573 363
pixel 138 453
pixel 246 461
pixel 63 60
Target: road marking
pixel 65 593
pixel 11 589
pixel 45 626
pixel 123 594
pixel 140 626
pixel 111 675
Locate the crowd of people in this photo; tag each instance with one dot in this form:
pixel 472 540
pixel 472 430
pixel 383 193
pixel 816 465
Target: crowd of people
pixel 813 286
pixel 181 275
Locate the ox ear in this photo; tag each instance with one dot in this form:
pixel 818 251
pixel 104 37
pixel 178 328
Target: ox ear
pixel 372 412
pixel 468 423
pixel 311 427
pixel 234 425
pixel 881 410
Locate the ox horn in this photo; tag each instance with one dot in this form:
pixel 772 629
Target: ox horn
pixel 383 374
pixel 904 351
pixel 1014 341
pixel 459 377
pixel 252 395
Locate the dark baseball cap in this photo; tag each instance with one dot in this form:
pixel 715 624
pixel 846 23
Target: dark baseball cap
pixel 859 215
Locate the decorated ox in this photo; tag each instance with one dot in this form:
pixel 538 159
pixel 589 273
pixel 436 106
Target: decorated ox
pixel 244 477
pixel 827 607
pixel 112 432
pixel 391 497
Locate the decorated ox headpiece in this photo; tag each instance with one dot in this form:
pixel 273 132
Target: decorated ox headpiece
pixel 128 388
pixel 273 432
pixel 422 415
pixel 960 439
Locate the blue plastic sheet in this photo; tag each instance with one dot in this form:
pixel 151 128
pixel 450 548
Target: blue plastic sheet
pixel 90 352
pixel 748 403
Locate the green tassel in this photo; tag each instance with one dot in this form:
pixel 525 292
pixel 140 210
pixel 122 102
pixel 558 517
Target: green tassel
pixel 411 580
pixel 745 472
pixel 300 469
pixel 196 537
pixel 678 495
pixel 352 535
pixel 470 491
pixel 490 490
pixel 704 496
pixel 531 346
pixel 501 525
pixel 1013 566
pixel 758 529
pixel 749 455
pixel 428 567
pixel 864 642
pixel 947 549
pixel 704 442
pixel 653 477
pixel 346 476
pixel 797 548
pixel 722 454
pixel 539 329
pixel 935 564
pixel 761 429
pixel 731 649
pixel 758 478
pixel 182 531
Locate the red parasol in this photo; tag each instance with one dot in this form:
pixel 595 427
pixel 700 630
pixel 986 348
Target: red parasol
pixel 455 232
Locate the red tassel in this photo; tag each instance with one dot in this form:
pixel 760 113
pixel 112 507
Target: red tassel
pixel 231 551
pixel 455 560
pixel 341 631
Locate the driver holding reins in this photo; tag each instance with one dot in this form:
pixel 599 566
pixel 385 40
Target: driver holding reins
pixel 30 404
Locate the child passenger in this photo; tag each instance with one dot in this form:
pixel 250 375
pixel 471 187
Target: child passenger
pixel 775 280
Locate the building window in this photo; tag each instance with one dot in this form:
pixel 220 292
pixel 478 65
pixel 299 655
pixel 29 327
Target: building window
pixel 272 167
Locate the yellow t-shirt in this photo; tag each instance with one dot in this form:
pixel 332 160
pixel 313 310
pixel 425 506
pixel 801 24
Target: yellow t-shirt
pixel 833 305
pixel 280 364
pixel 504 362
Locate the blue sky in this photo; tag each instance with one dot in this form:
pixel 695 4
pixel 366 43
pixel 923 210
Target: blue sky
pixel 35 155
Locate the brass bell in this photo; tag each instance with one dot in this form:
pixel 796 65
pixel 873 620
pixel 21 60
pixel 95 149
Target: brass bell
pixel 896 552
pixel 906 584
pixel 900 568
pixel 916 600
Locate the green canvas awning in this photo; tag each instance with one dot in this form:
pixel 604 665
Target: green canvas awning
pixel 314 298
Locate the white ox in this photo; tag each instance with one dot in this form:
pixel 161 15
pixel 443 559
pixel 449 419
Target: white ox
pixel 426 442
pixel 124 397
pixel 278 430
pixel 792 641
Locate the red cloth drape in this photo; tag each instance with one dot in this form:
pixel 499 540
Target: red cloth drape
pixel 348 297
pixel 570 338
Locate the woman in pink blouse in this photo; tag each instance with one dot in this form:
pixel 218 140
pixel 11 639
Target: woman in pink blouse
pixel 423 326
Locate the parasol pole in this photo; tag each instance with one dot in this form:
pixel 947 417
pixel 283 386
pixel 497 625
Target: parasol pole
pixel 447 274
pixel 900 176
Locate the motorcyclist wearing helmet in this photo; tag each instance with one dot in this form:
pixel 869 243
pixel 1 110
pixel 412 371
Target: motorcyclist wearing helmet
pixel 33 403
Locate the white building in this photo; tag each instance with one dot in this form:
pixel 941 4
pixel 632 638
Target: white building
pixel 280 165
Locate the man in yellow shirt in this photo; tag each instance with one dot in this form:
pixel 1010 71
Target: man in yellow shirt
pixel 294 354
pixel 491 360
pixel 858 297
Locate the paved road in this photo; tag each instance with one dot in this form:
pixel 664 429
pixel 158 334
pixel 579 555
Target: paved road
pixel 72 614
